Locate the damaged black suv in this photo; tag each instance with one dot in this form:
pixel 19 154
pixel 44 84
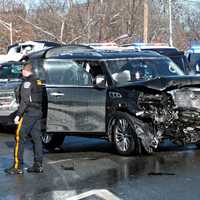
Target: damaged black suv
pixel 133 99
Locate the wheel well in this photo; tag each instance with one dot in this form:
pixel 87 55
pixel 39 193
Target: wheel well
pixel 110 123
pixel 143 134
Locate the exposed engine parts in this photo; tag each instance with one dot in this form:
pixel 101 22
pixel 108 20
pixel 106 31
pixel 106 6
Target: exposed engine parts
pixel 174 114
pixel 157 107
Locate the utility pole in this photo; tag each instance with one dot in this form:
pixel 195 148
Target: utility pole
pixel 62 30
pixel 170 22
pixel 70 3
pixel 146 10
pixel 8 26
pixel 11 33
pixel 88 19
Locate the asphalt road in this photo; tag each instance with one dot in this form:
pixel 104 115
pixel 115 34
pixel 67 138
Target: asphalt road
pixel 91 167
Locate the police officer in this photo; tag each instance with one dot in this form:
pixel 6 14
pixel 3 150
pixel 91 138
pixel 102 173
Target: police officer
pixel 28 119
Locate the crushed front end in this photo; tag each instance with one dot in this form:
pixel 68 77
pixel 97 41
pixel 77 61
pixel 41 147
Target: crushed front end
pixel 173 111
pixel 187 105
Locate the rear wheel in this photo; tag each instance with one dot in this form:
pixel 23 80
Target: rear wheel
pixel 51 141
pixel 124 137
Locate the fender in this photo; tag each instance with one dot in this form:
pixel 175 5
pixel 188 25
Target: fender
pixel 149 141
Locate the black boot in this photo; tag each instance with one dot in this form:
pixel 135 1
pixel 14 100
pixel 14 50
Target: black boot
pixel 12 170
pixel 36 168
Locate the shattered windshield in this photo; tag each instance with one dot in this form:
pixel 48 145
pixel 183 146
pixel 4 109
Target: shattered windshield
pixel 142 69
pixel 10 71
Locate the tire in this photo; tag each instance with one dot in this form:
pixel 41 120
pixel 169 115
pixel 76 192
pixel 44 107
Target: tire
pixel 51 141
pixel 123 134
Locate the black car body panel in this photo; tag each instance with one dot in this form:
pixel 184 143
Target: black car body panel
pixel 78 110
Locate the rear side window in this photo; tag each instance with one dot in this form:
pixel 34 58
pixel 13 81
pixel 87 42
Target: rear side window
pixel 65 72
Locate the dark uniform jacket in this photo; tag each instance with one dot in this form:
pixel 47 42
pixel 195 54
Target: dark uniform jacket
pixel 29 96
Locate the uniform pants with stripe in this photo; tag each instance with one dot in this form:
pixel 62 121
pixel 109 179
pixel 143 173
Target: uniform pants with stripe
pixel 29 125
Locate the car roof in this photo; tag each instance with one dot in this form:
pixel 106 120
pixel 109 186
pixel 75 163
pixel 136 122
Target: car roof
pixel 11 62
pixel 88 52
pixel 46 43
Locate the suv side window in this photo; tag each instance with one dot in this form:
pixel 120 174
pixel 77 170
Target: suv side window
pixel 66 72
pixel 93 69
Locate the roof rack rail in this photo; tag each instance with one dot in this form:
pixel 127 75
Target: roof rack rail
pixel 151 44
pixel 66 49
pixel 99 44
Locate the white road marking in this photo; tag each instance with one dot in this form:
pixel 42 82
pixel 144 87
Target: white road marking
pixel 69 159
pixel 59 161
pixel 104 194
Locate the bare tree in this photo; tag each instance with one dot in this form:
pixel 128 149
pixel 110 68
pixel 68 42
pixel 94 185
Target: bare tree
pixel 71 21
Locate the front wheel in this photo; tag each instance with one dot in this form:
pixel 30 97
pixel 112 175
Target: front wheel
pixel 51 141
pixel 124 136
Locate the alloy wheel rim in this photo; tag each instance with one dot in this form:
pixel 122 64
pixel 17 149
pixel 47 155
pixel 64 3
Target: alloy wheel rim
pixel 46 138
pixel 123 135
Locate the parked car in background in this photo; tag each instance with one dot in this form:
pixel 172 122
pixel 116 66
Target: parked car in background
pixel 30 46
pixel 16 51
pixel 173 53
pixel 10 78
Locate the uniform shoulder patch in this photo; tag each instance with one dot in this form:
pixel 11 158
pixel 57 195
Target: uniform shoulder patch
pixel 27 84
pixel 39 82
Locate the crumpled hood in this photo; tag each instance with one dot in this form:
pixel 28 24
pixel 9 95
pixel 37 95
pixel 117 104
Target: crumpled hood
pixel 165 83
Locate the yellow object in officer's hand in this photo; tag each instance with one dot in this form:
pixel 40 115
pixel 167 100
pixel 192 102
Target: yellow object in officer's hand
pixel 39 82
pixel 16 120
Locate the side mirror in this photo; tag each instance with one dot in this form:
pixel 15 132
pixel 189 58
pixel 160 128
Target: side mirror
pixel 99 81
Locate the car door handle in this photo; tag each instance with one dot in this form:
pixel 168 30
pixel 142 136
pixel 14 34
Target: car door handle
pixel 57 94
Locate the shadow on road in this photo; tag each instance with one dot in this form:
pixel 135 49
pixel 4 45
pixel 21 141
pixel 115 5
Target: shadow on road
pixel 75 144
